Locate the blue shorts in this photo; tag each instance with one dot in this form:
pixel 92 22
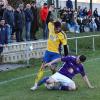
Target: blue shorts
pixel 49 56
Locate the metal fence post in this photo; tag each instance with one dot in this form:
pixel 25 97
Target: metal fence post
pixel 76 46
pixel 93 45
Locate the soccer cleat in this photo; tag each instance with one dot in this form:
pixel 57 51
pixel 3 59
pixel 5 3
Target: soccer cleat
pixel 34 88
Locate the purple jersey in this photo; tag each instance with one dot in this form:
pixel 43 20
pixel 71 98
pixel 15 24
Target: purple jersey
pixel 70 67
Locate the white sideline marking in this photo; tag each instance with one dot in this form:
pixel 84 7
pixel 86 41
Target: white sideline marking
pixel 18 78
pixel 30 75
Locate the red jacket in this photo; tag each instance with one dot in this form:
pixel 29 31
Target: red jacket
pixel 43 13
pixel 89 13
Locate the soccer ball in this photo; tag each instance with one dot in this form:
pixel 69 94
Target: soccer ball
pixel 31 48
pixel 49 86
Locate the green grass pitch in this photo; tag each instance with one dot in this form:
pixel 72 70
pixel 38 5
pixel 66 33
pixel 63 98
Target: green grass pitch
pixel 16 84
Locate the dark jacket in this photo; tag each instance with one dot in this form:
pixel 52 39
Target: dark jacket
pixel 28 15
pixel 69 4
pixel 9 17
pixel 19 19
pixel 4 34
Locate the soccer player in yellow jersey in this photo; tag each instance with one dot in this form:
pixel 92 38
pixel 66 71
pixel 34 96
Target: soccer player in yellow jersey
pixel 56 38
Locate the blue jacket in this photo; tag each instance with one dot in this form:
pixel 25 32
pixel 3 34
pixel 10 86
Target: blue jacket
pixel 4 34
pixel 69 4
pixel 19 19
pixel 9 17
pixel 28 15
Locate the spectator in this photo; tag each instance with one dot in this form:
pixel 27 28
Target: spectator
pixel 43 16
pixel 95 13
pixel 97 21
pixel 80 13
pixel 85 12
pixel 69 4
pixel 73 26
pixel 28 21
pixel 85 23
pixel 1 10
pixel 9 18
pixel 89 13
pixel 19 22
pixel 93 26
pixel 34 26
pixel 4 29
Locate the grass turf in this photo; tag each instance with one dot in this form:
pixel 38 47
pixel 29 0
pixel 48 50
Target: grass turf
pixel 15 85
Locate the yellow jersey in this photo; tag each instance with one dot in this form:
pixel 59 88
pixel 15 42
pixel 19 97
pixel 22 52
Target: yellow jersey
pixel 54 39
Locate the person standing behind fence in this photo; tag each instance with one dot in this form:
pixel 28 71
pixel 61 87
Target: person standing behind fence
pixel 1 10
pixel 4 31
pixel 19 22
pixel 69 4
pixel 43 17
pixel 9 18
pixel 34 26
pixel 28 21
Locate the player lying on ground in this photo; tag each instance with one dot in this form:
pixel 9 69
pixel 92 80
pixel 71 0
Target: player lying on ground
pixel 72 66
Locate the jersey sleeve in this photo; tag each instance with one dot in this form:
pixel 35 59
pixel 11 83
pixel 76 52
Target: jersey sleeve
pixel 63 38
pixel 67 58
pixel 82 71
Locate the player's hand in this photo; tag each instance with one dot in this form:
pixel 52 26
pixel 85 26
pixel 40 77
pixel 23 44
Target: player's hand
pixel 48 64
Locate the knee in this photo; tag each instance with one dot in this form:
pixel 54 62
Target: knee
pixel 72 86
pixel 50 80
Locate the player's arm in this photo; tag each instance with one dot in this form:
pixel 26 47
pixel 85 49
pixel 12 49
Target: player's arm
pixel 63 39
pixel 65 50
pixel 85 78
pixel 54 61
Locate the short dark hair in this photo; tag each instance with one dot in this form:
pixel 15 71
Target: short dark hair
pixel 2 19
pixel 82 58
pixel 57 24
pixel 45 4
pixel 33 2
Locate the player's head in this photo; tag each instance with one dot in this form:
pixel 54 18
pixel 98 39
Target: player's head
pixel 45 5
pixel 57 26
pixel 81 58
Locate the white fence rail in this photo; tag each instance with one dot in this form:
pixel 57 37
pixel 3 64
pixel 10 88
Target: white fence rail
pixel 20 51
pixel 81 37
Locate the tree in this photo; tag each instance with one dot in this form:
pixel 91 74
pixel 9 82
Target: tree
pixel 15 3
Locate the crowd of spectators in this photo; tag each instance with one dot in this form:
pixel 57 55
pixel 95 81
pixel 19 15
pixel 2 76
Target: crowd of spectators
pixel 80 20
pixel 22 23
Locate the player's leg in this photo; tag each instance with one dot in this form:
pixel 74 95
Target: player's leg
pixel 66 83
pixel 53 82
pixel 41 71
pixel 43 81
pixel 54 66
pixel 38 77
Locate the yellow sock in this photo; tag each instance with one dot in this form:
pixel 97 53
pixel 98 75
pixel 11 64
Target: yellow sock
pixel 39 75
